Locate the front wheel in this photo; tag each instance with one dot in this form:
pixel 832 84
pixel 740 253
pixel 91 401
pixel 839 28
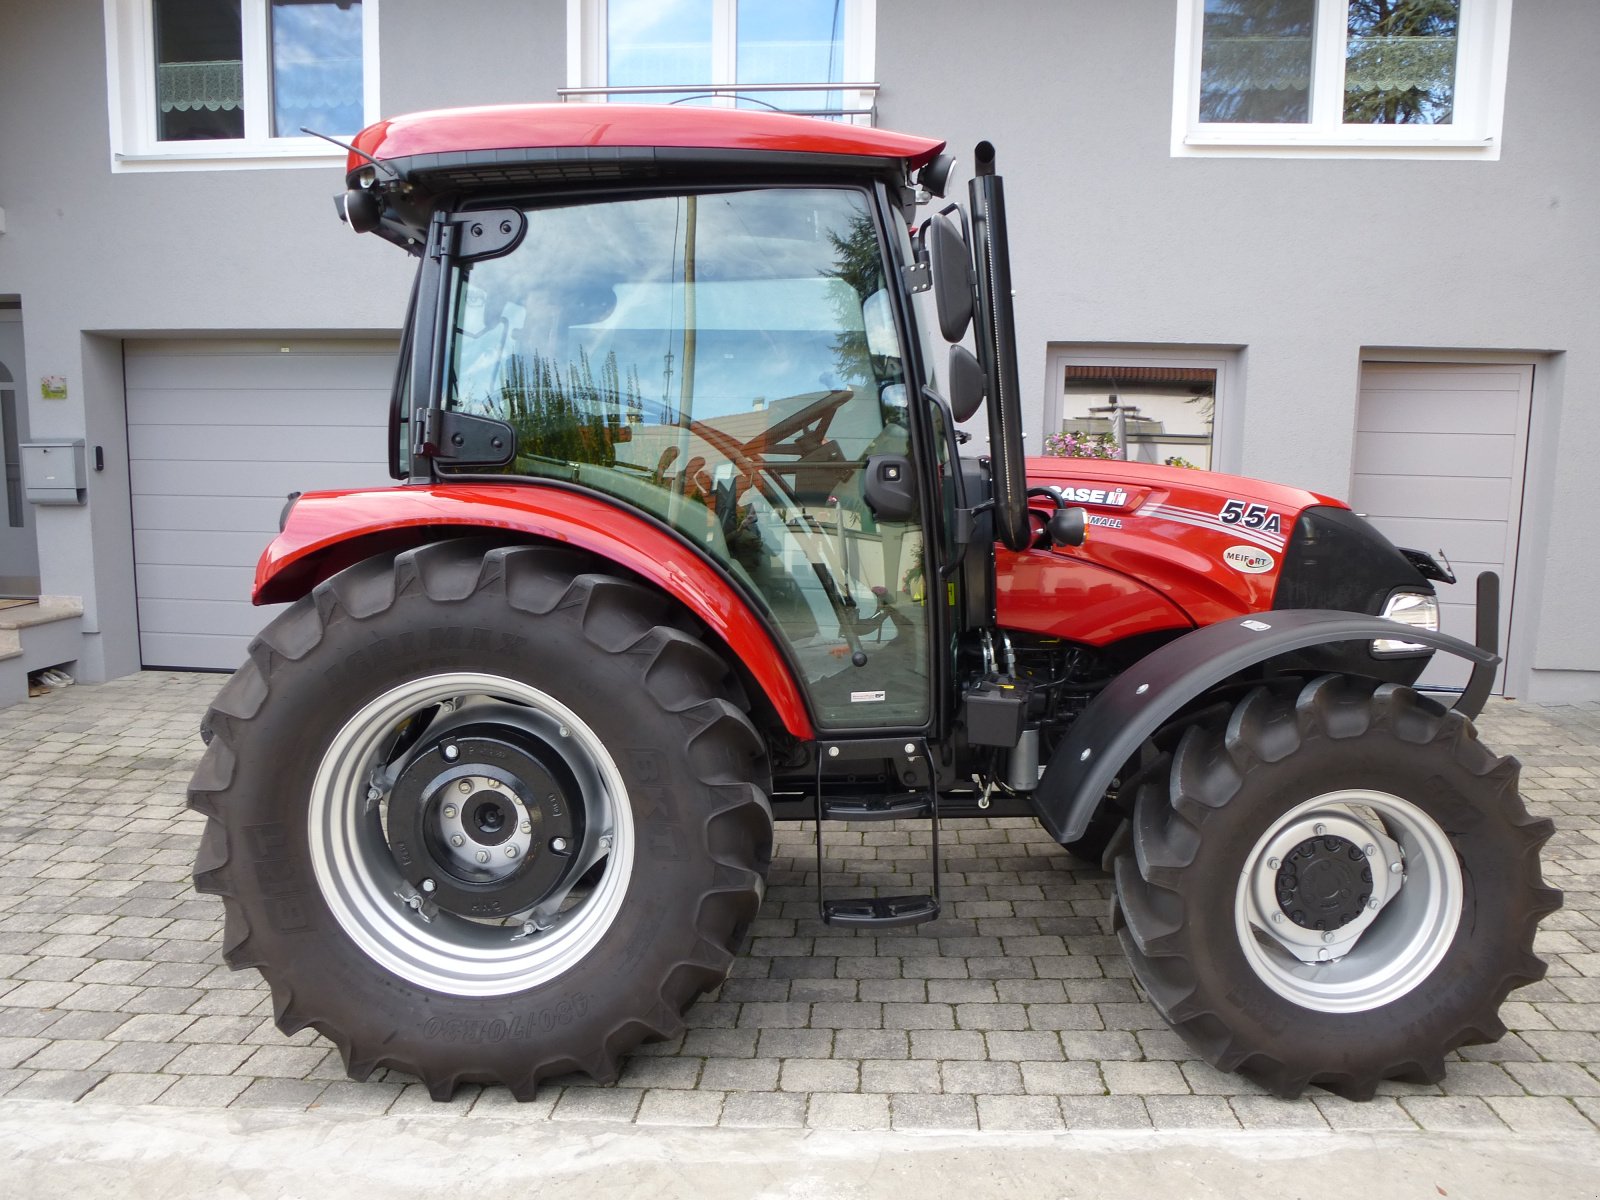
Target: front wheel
pixel 482 814
pixel 1336 887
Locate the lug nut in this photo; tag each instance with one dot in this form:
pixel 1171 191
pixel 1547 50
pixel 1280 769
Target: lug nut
pixel 457 840
pixel 526 827
pixel 1395 868
pixel 1321 829
pixel 449 811
pixel 1373 903
pixel 565 732
pixel 1369 849
pixel 1277 918
pixel 374 793
pixel 482 856
pixel 428 885
pixel 1274 863
pixel 511 851
pixel 1327 937
pixel 1324 955
pixel 451 753
pixel 493 783
pixel 559 845
pixel 464 786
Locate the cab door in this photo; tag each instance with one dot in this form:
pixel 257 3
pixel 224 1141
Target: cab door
pixel 727 361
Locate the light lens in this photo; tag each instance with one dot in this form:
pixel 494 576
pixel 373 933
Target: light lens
pixel 1416 609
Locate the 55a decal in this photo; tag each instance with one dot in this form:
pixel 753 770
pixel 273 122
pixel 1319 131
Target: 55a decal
pixel 1251 516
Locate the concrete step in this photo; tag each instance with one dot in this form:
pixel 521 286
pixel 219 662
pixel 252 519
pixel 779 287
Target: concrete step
pixel 45 633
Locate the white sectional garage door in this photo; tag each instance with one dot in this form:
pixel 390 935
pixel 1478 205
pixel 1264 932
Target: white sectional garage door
pixel 1439 457
pixel 219 433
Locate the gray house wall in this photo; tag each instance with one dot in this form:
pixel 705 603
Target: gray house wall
pixel 1296 266
pixel 1302 263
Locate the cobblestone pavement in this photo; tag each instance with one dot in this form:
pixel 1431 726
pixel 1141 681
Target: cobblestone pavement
pixel 1014 1012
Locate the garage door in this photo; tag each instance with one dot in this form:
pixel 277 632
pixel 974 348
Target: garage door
pixel 218 434
pixel 1438 465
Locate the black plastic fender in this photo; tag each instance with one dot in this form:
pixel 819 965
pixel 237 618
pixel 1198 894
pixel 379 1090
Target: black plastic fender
pixel 1137 702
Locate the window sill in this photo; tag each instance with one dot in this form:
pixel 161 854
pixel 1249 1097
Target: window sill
pixel 1255 143
pixel 213 156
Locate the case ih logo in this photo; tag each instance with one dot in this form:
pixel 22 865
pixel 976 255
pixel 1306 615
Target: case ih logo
pixel 1248 559
pixel 1073 494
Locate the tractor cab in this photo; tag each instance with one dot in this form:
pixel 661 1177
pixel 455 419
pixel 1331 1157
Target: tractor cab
pixel 725 322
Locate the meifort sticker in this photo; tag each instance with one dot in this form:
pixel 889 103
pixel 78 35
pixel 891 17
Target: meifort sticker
pixel 1248 560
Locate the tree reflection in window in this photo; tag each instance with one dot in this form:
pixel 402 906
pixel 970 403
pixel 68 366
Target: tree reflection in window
pixel 1400 62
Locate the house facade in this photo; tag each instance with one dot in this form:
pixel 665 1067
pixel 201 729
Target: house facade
pixel 1341 244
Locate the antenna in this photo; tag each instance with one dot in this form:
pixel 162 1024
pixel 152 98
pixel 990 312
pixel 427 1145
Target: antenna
pixel 382 166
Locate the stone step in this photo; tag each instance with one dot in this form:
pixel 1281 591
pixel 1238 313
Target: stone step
pixel 45 633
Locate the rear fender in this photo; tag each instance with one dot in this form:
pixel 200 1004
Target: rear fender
pixel 1135 704
pixel 324 532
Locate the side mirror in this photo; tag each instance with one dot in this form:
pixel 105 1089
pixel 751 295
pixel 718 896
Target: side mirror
pixel 951 264
pixel 967 383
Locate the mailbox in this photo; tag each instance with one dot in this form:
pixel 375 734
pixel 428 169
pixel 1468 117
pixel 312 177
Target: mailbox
pixel 52 472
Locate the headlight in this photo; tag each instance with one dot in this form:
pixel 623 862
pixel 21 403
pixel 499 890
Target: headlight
pixel 1416 609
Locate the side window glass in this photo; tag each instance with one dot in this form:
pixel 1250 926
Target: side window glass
pixel 727 362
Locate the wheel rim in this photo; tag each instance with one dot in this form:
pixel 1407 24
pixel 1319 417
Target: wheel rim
pixel 1349 901
pixel 364 887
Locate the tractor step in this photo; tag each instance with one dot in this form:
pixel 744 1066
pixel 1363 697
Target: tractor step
pixel 880 911
pixel 876 808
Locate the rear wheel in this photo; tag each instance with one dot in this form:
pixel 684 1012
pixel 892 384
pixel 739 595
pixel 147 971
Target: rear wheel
pixel 480 814
pixel 1335 887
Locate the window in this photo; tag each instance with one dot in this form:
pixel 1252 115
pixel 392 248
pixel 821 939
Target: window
pixel 233 82
pixel 1151 404
pixel 727 362
pixel 744 53
pixel 1415 78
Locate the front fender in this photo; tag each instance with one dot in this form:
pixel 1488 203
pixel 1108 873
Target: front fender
pixel 326 531
pixel 1135 704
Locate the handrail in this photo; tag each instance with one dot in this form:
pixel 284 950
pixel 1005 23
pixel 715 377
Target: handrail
pixel 734 91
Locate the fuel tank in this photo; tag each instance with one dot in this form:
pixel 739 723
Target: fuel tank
pixel 1168 548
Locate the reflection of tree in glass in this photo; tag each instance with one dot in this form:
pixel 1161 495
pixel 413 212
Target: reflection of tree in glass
pixel 1255 61
pixel 1400 63
pixel 576 418
pixel 856 262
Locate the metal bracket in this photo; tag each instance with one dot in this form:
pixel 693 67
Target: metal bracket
pixel 488 233
pixel 466 438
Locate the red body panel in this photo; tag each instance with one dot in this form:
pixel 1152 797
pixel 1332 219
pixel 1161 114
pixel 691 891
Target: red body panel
pixel 322 524
pixel 1160 554
pixel 565 126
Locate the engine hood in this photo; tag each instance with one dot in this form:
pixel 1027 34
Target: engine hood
pixel 1168 548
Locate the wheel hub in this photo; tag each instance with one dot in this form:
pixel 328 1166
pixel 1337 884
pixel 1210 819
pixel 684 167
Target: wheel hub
pixel 484 813
pixel 1324 883
pixel 1317 881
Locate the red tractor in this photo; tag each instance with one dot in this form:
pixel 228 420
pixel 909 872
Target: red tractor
pixel 684 541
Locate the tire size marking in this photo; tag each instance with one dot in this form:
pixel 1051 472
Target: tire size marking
pixel 1251 516
pixel 521 1027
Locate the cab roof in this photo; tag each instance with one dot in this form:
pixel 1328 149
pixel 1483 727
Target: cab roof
pixel 514 143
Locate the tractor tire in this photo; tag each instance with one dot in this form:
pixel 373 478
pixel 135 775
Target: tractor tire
pixel 481 814
pixel 1336 886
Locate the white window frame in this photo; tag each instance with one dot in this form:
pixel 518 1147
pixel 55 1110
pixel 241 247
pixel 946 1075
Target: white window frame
pixel 586 49
pixel 131 90
pixel 1474 132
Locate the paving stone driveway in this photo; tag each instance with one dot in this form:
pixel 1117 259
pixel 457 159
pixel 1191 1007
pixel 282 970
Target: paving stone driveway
pixel 1015 1012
